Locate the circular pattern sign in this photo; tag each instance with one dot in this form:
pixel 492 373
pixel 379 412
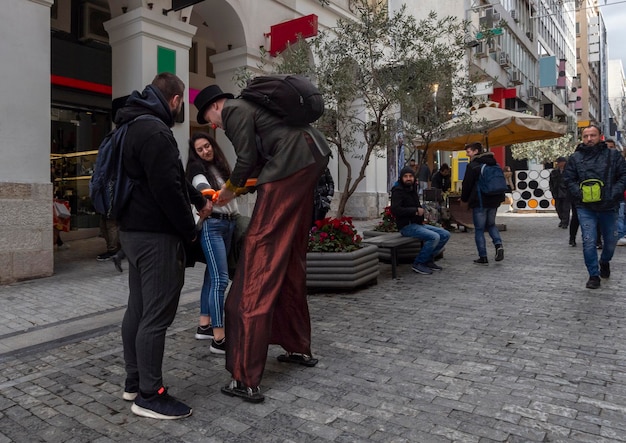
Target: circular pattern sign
pixel 533 190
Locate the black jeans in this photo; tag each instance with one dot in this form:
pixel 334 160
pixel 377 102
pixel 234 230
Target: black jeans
pixel 156 272
pixel 563 207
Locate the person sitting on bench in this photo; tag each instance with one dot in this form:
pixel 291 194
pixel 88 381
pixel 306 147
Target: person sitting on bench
pixel 406 207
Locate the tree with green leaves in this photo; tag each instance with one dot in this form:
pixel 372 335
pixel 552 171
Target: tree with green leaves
pixel 381 73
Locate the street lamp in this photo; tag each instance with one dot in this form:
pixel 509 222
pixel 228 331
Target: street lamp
pixel 435 90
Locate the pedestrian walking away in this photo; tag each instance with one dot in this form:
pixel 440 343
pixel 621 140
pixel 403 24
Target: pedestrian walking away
pixel 596 177
pixel 155 227
pixel 406 207
pixel 267 302
pixel 484 207
pixel 560 193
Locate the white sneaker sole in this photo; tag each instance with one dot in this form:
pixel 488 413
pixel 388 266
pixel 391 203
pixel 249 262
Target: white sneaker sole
pixel 204 337
pixel 129 396
pixel 142 412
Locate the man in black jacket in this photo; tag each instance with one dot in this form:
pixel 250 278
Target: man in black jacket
pixel 155 227
pixel 484 208
pixel 559 192
pixel 441 178
pixel 593 160
pixel 406 207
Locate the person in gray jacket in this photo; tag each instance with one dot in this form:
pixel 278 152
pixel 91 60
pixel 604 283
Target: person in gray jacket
pixel 593 160
pixel 267 301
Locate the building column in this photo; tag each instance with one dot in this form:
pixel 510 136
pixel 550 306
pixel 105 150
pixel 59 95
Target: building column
pixel 26 249
pixel 145 42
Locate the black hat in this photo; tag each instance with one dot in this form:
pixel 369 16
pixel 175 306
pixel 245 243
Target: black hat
pixel 407 170
pixel 206 97
pixel 561 159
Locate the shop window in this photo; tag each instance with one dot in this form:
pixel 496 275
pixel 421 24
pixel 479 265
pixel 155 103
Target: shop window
pixel 93 23
pixel 75 137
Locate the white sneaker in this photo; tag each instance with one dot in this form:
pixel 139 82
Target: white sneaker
pixel 621 241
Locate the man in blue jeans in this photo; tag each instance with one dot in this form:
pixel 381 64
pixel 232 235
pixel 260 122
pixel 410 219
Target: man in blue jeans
pixel 593 160
pixel 484 207
pixel 406 207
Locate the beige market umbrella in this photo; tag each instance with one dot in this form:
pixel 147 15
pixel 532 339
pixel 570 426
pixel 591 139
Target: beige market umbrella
pixel 493 126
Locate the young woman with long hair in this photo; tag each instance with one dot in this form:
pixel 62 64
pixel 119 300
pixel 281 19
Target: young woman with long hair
pixel 207 168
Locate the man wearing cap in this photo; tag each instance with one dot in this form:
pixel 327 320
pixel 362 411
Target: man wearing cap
pixel 267 301
pixel 559 192
pixel 594 165
pixel 409 214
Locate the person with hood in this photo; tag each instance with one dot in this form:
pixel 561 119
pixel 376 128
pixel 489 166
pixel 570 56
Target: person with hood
pixel 155 228
pixel 409 214
pixel 559 192
pixel 594 165
pixel 484 207
pixel 267 302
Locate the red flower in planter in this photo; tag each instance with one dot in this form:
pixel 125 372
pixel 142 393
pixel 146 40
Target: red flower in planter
pixel 334 235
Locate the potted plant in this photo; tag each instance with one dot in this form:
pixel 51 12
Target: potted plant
pixel 336 257
pixel 388 222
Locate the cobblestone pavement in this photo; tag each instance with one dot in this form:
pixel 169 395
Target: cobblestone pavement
pixel 518 351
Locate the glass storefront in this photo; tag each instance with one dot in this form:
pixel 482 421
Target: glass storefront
pixel 75 137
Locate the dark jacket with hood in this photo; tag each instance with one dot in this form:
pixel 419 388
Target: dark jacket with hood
pixel 469 192
pixel 161 196
pixel 405 201
pixel 600 162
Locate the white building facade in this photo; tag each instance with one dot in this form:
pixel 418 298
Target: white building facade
pixel 74 58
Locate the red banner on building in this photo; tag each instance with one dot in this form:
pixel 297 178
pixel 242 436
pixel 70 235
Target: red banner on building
pixel 286 33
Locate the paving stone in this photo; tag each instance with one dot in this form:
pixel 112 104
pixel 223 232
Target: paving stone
pixel 518 351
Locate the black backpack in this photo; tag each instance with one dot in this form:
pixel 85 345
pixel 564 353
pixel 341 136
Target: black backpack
pixel 291 97
pixel 110 188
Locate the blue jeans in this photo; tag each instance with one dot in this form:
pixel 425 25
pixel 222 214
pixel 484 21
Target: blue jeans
pixel 485 220
pixel 434 239
pixel 589 222
pixel 215 239
pixel 620 221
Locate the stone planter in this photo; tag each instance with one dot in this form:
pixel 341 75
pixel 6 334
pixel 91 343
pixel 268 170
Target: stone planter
pixel 406 254
pixel 342 269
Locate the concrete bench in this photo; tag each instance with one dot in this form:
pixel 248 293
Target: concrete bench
pixel 391 241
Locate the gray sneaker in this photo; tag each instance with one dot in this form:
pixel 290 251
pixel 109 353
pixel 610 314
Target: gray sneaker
pixel 421 268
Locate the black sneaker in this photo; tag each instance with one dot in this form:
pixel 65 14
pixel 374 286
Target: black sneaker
pixel 237 389
pixel 599 245
pixel 593 282
pixel 499 253
pixel 482 261
pixel 433 266
pixel 204 333
pixel 572 242
pixel 605 269
pixel 218 347
pixel 161 406
pixel 106 256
